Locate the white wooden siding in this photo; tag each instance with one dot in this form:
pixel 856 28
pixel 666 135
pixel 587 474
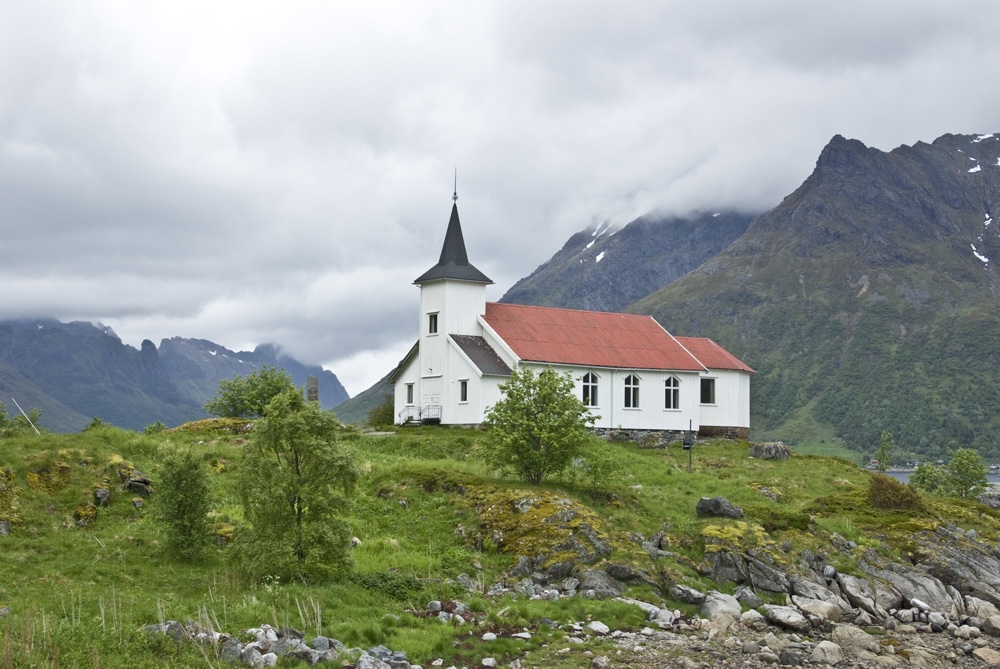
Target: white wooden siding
pixel 732 399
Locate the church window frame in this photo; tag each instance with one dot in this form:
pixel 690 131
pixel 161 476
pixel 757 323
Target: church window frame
pixel 672 393
pixel 632 391
pixel 589 389
pixel 432 323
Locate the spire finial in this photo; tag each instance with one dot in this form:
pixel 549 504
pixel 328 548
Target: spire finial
pixel 454 196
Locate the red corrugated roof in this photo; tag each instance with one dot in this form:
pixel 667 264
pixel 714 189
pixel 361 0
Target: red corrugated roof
pixel 712 355
pixel 589 338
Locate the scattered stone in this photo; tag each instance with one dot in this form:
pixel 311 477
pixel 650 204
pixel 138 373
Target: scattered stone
pixel 5 527
pixel 597 627
pixel 770 450
pixel 687 595
pixel 787 617
pixel 102 497
pixel 717 507
pixel 600 662
pixel 987 655
pixel 718 604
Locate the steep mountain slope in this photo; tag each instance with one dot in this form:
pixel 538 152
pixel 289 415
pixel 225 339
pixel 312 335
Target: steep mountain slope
pixel 195 366
pixel 355 410
pixel 75 371
pixel 608 268
pixel 867 300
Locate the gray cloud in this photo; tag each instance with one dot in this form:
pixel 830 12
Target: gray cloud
pixel 261 172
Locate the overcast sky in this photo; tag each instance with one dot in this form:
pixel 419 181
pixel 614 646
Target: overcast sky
pixel 253 172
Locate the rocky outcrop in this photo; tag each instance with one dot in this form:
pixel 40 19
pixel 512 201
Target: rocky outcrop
pixel 770 450
pixel 717 507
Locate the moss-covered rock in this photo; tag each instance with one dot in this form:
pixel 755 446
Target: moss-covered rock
pixel 84 514
pixel 548 527
pixel 49 478
pixel 8 495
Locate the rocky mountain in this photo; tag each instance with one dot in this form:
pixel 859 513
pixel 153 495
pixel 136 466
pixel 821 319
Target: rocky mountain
pixel 607 268
pixel 75 371
pixel 867 300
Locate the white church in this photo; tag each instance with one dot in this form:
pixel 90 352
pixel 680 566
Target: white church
pixel 628 369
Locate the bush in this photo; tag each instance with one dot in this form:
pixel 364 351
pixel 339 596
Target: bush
pixel 967 474
pixel 929 478
pixel 183 504
pixel 537 427
pixel 294 482
pixel 885 492
pixel 383 415
pixel 248 396
pixel 154 428
pixel 963 476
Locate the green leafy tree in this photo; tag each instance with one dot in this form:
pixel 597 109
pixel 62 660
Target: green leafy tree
pixel 886 446
pixel 967 474
pixel 382 415
pixel 295 481
pixel 18 424
pixel 538 426
pixel 928 477
pixel 248 396
pixel 183 503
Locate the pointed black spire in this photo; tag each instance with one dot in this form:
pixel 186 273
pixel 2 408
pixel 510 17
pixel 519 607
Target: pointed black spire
pixel 454 262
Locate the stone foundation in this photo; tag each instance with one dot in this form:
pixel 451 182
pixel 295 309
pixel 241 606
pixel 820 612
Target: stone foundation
pixel 662 438
pixel 719 432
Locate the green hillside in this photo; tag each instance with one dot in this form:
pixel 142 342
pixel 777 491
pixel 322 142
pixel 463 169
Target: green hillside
pixel 427 510
pixel 867 300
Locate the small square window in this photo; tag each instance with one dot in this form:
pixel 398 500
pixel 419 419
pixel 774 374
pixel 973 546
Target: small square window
pixel 708 391
pixel 432 323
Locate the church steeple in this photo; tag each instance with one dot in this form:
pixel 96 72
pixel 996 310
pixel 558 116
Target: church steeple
pixel 454 261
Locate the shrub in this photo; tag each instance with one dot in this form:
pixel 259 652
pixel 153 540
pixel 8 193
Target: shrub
pixel 294 482
pixel 383 415
pixel 929 478
pixel 248 396
pixel 885 492
pixel 967 474
pixel 183 504
pixel 537 427
pixel 154 428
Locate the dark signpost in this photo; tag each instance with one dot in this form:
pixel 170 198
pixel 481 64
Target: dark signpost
pixel 689 446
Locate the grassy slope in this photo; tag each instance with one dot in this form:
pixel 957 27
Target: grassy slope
pixel 82 595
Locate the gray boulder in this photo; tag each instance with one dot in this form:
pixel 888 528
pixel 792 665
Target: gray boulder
pixel 818 607
pixel 765 577
pixel 827 652
pixel 687 595
pixel 600 583
pixel 717 507
pixel 787 617
pixel 770 450
pixel 371 662
pixel 231 650
pixel 719 604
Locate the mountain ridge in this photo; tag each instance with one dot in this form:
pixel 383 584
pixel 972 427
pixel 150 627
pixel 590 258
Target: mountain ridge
pixel 75 371
pixel 876 267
